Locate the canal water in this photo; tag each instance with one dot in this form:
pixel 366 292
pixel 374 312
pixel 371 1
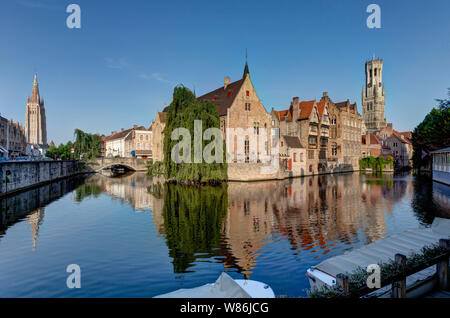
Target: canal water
pixel 135 237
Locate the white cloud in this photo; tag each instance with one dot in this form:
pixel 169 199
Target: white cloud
pixel 120 63
pixel 155 76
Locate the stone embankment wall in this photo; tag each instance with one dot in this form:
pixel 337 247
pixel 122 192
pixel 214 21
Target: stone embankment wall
pixel 20 175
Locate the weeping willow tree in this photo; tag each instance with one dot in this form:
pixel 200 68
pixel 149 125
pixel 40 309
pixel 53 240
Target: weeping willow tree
pixel 87 145
pixel 182 113
pixel 193 218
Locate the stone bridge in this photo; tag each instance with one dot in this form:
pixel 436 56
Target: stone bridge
pixel 130 163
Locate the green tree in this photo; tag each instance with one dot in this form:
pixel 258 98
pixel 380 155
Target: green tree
pixel 86 145
pixel 182 113
pixel 433 132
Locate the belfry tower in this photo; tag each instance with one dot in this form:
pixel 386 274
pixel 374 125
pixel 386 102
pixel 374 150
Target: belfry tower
pixel 373 96
pixel 35 121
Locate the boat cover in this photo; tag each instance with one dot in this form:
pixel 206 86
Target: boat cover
pixel 224 287
pixel 383 250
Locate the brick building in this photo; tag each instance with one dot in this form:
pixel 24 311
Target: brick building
pixel 158 135
pixel 133 142
pixel 308 121
pixel 371 145
pixel 12 139
pixel 239 106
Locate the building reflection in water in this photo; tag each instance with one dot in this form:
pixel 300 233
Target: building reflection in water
pixel 238 223
pixel 30 205
pixel 234 223
pixel 315 215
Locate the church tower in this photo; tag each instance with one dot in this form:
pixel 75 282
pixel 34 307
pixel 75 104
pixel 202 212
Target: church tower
pixel 373 96
pixel 35 121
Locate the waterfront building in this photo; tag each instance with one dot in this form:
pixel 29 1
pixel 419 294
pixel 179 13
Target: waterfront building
pixel 239 106
pixel 402 149
pixel 374 96
pixel 35 120
pixel 303 121
pixel 133 142
pixel 158 135
pixel 115 143
pixel 292 156
pixel 139 143
pixel 12 139
pixel 371 145
pixel 3 137
pixel 349 129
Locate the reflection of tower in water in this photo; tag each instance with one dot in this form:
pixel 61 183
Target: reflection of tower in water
pixel 35 220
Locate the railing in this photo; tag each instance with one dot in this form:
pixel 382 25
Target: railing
pixel 398 281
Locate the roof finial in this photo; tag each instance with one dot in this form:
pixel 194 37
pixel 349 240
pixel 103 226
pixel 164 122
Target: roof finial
pixel 246 70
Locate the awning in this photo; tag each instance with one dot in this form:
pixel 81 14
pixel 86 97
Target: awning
pixel 3 150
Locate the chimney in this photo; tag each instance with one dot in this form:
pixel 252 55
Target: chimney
pixel 227 82
pixel 325 94
pixel 135 126
pixel 295 108
pixel 121 129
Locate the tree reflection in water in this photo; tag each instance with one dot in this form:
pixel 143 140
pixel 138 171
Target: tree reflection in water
pixel 193 220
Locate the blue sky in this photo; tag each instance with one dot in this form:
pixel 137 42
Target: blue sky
pixel 122 65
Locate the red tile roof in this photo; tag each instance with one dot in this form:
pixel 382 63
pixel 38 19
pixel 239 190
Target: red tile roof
pixel 320 107
pixel 222 97
pixel 401 137
pixel 306 109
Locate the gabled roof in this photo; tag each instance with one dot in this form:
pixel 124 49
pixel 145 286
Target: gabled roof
pixel 223 97
pixel 372 140
pixel 293 142
pixel 119 135
pixel 283 114
pixel 407 134
pixel 306 109
pixel 401 137
pixel 321 107
pixel 162 116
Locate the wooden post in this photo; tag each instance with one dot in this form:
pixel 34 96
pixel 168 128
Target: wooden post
pixel 442 267
pixel 342 281
pixel 399 287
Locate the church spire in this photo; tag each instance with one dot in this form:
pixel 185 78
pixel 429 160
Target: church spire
pixel 35 92
pixel 246 70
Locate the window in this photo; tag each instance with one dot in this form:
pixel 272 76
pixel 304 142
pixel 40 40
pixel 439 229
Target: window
pixel 247 93
pixel 146 137
pixel 247 107
pixel 141 137
pixel 310 154
pixel 334 149
pixel 282 143
pixel 256 128
pixel 273 122
pixel 295 157
pixel 301 157
pixel 247 150
pixel 312 140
